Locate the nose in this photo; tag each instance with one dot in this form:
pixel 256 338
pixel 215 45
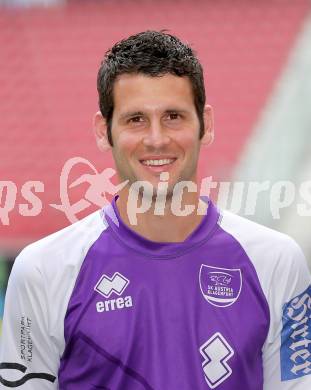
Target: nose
pixel 156 135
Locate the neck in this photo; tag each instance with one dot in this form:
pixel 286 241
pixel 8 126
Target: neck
pixel 163 221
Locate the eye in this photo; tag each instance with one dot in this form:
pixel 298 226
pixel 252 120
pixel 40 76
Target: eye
pixel 136 119
pixel 173 116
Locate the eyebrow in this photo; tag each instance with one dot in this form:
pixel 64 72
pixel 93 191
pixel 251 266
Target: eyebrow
pixel 179 111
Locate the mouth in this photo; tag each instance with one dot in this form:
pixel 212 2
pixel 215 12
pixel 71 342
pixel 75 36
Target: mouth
pixel 158 164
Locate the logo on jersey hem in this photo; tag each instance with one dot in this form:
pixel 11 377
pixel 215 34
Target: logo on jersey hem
pixel 216 352
pixel 221 287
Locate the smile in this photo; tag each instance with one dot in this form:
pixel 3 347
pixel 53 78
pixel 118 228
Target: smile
pixel 165 161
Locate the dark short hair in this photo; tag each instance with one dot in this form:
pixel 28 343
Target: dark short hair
pixel 152 53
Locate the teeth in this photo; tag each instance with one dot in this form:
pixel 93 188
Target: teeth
pixel 158 162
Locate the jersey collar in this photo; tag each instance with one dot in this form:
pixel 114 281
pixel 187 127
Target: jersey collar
pixel 134 241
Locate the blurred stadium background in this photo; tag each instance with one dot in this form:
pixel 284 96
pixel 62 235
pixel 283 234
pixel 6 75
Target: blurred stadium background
pixel 257 60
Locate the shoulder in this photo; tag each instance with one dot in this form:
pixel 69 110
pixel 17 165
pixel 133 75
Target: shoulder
pixel 45 272
pixel 259 240
pixel 276 257
pixel 63 249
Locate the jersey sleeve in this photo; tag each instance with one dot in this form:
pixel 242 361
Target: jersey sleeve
pixel 28 357
pixel 287 351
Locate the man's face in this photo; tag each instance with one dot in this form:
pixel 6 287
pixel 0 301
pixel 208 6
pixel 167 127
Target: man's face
pixel 155 128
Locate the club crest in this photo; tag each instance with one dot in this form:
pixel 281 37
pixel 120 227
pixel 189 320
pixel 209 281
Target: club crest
pixel 220 286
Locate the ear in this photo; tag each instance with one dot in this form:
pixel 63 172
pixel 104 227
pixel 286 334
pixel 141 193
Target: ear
pixel 208 117
pixel 100 130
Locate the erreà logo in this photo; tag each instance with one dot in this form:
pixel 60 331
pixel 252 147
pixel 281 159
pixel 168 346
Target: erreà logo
pixel 106 286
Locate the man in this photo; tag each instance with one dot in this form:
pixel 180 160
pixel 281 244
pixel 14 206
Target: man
pixel 172 297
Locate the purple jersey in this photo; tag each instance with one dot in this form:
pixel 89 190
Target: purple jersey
pixel 97 306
